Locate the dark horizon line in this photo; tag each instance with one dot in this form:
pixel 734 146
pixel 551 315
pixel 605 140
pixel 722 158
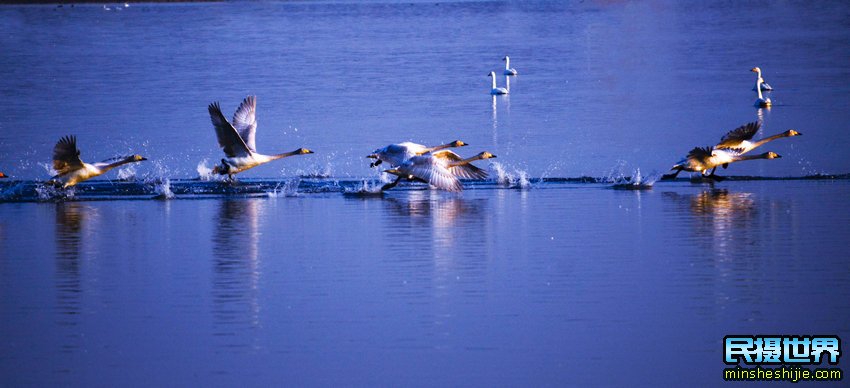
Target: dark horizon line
pixel 60 2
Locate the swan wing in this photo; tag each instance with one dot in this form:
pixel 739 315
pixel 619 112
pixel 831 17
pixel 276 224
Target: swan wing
pixel 464 171
pixel 436 173
pixel 700 155
pixel 66 156
pixel 228 138
pixel 396 154
pixel 737 135
pixel 245 122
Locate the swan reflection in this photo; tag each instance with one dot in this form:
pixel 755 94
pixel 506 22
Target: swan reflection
pixel 236 264
pixel 71 231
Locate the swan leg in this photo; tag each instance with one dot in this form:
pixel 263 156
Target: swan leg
pixel 391 185
pixel 376 163
pixel 671 176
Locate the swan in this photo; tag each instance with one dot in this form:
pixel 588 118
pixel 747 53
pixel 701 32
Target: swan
pixel 441 170
pixel 396 154
pixel 71 170
pixel 508 70
pixel 762 102
pixel 738 139
pixel 703 159
pixel 763 86
pixel 496 90
pixel 239 139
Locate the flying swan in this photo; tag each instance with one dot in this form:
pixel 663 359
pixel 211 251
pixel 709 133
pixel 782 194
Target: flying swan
pixel 703 159
pixel 396 154
pixel 239 139
pixel 70 170
pixel 440 169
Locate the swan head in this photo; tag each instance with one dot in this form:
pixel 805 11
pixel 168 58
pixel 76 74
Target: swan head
pixel 755 70
pixel 771 155
pixel 458 143
pixel 137 158
pixel 792 132
pixel 485 155
pixel 505 58
pixel 303 151
pixel 492 74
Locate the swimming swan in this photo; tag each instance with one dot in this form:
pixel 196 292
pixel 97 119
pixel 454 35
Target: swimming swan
pixel 239 139
pixel 763 86
pixel 440 169
pixel 71 170
pixel 496 90
pixel 703 159
pixel 508 70
pixel 396 154
pixel 762 102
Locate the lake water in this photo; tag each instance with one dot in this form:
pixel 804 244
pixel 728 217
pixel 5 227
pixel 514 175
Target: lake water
pixel 533 278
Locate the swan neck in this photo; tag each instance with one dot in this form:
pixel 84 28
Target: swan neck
pixel 465 161
pixel 116 164
pixel 507 63
pixel 751 157
pixel 284 155
pixel 770 138
pixel 494 81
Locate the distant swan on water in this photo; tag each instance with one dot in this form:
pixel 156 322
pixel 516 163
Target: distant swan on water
pixel 703 159
pixel 763 86
pixel 494 89
pixel 508 70
pixel 71 170
pixel 762 102
pixel 440 169
pixel 396 154
pixel 238 140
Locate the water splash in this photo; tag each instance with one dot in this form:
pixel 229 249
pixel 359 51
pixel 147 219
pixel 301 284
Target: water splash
pixel 47 192
pixel 205 173
pixel 127 173
pixel 636 181
pixel 317 172
pixel 515 179
pixel 366 188
pixel 162 188
pixel 287 188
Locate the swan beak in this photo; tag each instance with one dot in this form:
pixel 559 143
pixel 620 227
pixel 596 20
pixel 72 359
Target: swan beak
pixel 143 158
pixel 372 156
